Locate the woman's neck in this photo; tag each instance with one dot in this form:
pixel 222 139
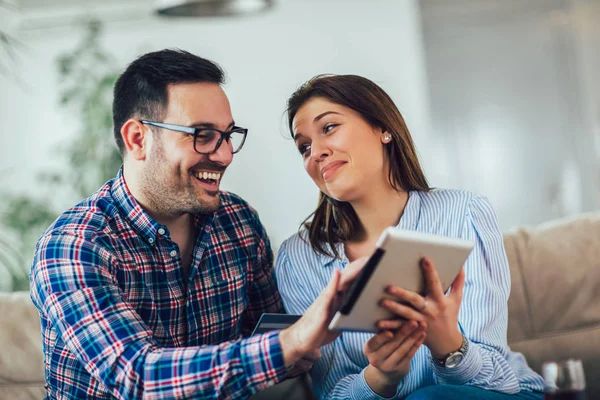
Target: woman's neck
pixel 379 211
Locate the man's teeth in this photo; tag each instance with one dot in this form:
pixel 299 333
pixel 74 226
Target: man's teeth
pixel 208 175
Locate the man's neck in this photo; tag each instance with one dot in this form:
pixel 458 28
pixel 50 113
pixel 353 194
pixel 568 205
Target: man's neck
pixel 178 224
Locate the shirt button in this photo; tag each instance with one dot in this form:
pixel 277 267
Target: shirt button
pixel 161 231
pixel 173 253
pixel 151 240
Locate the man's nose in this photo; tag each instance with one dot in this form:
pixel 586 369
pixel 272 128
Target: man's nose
pixel 222 155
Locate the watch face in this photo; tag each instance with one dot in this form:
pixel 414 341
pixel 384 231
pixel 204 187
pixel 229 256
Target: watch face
pixel 454 359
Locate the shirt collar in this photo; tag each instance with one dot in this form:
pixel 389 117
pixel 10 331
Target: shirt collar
pixel 325 259
pixel 141 222
pixel 412 211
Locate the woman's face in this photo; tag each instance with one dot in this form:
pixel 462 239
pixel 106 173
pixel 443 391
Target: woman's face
pixel 343 153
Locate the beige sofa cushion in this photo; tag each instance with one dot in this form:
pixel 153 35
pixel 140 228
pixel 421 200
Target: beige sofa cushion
pixel 21 360
pixel 554 306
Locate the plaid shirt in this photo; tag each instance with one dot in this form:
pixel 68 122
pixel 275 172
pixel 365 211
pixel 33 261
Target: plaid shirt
pixel 119 321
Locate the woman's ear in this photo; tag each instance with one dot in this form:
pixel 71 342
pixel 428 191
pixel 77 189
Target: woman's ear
pixel 135 138
pixel 386 137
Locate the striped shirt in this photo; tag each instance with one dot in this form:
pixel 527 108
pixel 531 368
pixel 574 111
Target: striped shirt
pixel 302 274
pixel 118 319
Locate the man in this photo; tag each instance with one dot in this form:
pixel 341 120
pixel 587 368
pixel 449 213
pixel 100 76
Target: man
pixel 150 287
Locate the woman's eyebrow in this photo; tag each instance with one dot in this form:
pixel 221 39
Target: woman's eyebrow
pixel 318 117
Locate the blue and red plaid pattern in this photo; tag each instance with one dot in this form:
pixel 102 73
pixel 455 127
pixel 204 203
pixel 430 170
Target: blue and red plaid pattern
pixel 118 319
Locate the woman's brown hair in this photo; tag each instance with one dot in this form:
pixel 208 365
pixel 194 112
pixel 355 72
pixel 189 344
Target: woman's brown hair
pixel 335 221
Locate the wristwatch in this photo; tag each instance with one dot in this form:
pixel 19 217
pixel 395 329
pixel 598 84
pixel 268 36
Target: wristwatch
pixel 451 360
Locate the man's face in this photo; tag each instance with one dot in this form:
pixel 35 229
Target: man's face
pixel 173 177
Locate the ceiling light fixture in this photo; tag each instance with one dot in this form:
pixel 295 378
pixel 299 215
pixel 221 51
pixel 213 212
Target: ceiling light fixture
pixel 210 8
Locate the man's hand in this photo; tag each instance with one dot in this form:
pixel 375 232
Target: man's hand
pixel 304 364
pixel 350 273
pixel 311 331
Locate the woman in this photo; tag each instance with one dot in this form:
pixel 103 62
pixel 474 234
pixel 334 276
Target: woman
pixel 359 152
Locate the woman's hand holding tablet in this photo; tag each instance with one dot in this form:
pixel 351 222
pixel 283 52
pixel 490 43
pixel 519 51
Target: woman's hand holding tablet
pixel 438 311
pixel 396 262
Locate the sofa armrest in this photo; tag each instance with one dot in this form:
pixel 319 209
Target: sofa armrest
pixel 21 357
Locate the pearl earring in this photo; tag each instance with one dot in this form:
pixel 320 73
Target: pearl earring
pixel 387 137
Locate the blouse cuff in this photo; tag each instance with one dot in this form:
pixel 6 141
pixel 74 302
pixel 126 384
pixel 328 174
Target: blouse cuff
pixel 360 389
pixel 467 370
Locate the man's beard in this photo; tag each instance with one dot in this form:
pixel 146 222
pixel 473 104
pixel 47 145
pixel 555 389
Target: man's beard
pixel 167 191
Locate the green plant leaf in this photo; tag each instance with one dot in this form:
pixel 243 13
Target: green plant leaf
pixel 87 74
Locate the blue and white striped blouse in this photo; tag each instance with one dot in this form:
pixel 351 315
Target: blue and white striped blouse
pixel 339 374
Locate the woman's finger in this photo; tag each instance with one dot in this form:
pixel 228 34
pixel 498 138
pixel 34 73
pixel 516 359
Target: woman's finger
pixel 386 350
pixel 458 285
pixel 404 348
pixel 434 285
pixel 374 344
pixel 412 298
pixel 390 324
pixel 402 310
pixel 407 349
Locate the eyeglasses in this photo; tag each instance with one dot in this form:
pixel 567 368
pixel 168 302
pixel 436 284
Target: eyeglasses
pixel 208 140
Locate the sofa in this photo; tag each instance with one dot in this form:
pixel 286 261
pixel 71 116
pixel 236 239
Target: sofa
pixel 554 311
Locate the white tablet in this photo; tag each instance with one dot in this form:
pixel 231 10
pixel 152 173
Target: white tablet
pixel 396 261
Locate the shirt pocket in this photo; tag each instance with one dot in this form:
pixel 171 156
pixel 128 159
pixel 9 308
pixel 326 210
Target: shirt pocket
pixel 224 302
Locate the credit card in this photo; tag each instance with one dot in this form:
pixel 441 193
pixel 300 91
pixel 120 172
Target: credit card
pixel 274 322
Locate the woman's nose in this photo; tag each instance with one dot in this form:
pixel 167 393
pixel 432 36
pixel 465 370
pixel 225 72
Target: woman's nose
pixel 319 151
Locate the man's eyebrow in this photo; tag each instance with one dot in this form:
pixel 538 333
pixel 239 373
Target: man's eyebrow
pixel 297 136
pixel 210 125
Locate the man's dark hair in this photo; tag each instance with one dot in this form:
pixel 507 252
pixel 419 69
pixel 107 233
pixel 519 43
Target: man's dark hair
pixel 141 91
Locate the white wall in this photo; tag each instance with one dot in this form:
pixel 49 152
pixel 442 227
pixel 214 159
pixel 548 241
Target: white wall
pixel 514 99
pixel 266 57
pixel 583 18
